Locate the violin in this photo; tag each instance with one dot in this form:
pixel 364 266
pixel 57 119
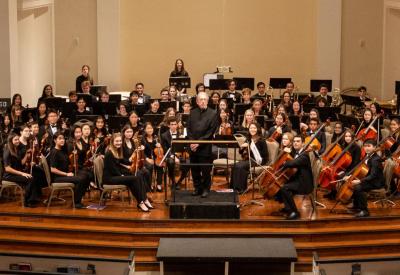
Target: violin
pixel 137 155
pixel 90 153
pixel 29 157
pixel 159 153
pixel 73 160
pixel 276 135
pixel 225 128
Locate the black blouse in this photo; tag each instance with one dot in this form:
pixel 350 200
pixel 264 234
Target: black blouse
pixel 12 161
pixel 58 159
pixel 113 167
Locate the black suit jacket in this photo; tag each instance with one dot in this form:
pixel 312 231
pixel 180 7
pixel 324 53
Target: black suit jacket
pixel 374 177
pixel 238 96
pixel 303 178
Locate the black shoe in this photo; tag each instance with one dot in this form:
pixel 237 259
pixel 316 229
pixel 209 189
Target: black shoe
pixel 362 214
pixel 196 192
pixel 205 193
pixel 177 186
pixel 79 206
pixel 30 205
pixel 159 188
pixel 284 210
pixel 293 216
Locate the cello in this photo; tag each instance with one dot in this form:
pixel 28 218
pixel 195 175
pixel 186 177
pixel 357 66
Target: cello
pixel 332 151
pixel 274 177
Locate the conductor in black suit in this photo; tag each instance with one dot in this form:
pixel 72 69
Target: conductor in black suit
pixel 201 125
pixel 300 183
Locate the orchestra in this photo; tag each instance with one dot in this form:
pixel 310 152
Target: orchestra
pixel 344 159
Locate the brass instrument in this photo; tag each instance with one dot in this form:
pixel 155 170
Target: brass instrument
pixel 336 98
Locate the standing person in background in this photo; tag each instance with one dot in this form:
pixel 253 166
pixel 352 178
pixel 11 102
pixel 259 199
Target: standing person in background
pixel 201 125
pixel 85 76
pixel 179 69
pixel 47 93
pixel 232 93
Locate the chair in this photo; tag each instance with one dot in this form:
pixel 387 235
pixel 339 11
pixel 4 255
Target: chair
pixel 98 166
pixel 5 184
pixel 56 186
pixel 223 163
pixel 381 195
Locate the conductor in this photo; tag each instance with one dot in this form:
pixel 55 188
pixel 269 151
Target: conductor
pixel 201 125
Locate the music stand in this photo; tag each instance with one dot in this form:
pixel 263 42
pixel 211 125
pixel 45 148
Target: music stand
pixel 96 89
pixel 105 108
pixel 91 118
pixel 140 109
pixel 295 121
pixel 115 98
pixel 184 119
pixel 115 123
pixel 301 97
pixel 240 109
pixel 279 83
pixel 219 84
pixel 315 84
pixel 177 148
pixel 397 91
pixel 154 119
pixel 268 123
pixel 307 107
pixel 326 113
pixel 260 120
pixel 352 100
pixel 55 103
pixel 180 81
pixel 68 109
pixel 4 104
pixel 244 82
pixel 229 102
pixel 164 105
pixel 348 121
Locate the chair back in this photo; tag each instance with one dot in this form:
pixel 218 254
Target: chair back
pixel 46 169
pixel 328 138
pixel 273 150
pixel 98 167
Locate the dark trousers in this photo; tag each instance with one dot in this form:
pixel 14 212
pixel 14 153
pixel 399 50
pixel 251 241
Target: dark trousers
pixel 286 194
pixel 159 172
pixel 134 183
pixel 239 175
pixel 31 186
pixel 360 195
pixel 145 175
pixel 201 173
pixel 81 182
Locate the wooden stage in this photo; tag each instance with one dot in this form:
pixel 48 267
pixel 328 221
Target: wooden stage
pixel 120 228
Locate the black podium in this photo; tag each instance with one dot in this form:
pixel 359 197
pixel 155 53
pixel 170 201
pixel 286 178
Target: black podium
pixel 231 256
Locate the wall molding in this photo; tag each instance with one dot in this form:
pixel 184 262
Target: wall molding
pixel 34 4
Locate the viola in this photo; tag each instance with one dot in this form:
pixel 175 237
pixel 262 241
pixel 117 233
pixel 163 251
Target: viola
pixel 368 132
pixel 90 153
pixel 276 135
pixel 137 156
pixel 159 153
pixel 73 160
pixel 226 128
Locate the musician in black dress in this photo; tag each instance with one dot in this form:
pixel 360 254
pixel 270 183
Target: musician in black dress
pixel 135 123
pixel 59 163
pixel 115 172
pixel 41 114
pixel 132 144
pixel 151 142
pixel 313 126
pixel 258 156
pixel 300 183
pixel 337 131
pixel 373 180
pixel 281 126
pixel 179 69
pixel 15 161
pixel 201 125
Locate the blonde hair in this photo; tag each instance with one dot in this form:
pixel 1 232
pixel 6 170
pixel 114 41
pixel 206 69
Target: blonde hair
pixel 244 123
pixel 117 153
pixel 290 137
pixel 246 91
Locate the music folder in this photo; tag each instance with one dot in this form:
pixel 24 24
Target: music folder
pixel 315 84
pixel 279 83
pixel 180 81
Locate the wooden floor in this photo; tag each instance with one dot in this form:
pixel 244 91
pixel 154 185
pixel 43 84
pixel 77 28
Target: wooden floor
pixel 120 228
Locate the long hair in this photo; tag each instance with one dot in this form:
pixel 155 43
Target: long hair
pixel 244 123
pixel 10 145
pixel 258 135
pixel 44 91
pixel 88 78
pixel 14 98
pixel 117 153
pixel 176 66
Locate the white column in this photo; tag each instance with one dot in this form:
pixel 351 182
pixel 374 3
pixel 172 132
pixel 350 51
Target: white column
pixel 329 32
pixel 108 44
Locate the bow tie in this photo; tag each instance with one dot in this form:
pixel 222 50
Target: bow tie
pixel 53 125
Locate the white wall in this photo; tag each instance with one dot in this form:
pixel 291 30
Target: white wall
pixel 35 49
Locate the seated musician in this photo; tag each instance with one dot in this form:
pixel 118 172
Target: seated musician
pixel 362 94
pixel 290 88
pixel 170 112
pixel 46 132
pixel 312 128
pixel 15 161
pixel 41 114
pixel 355 152
pixel 322 102
pixel 77 146
pixel 368 118
pixel 60 172
pixel 280 109
pixel 135 123
pixel 246 95
pixel 72 96
pixel 172 159
pixel 223 105
pixel 224 129
pixel 173 93
pixel 186 106
pixel 151 142
pixel 154 107
pixel 86 85
pixel 373 180
pixel 130 145
pixel 304 124
pixel 323 93
pixel 281 126
pixel 215 97
pixel 115 172
pixel 300 183
pixel 286 142
pixel 261 91
pixel 100 134
pixel 257 107
pixel 296 109
pixel 391 155
pixel 81 109
pixel 164 94
pixel 258 156
pixel 248 118
pixel 143 97
pixel 287 102
pixel 104 97
pixel 232 93
pixel 337 131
